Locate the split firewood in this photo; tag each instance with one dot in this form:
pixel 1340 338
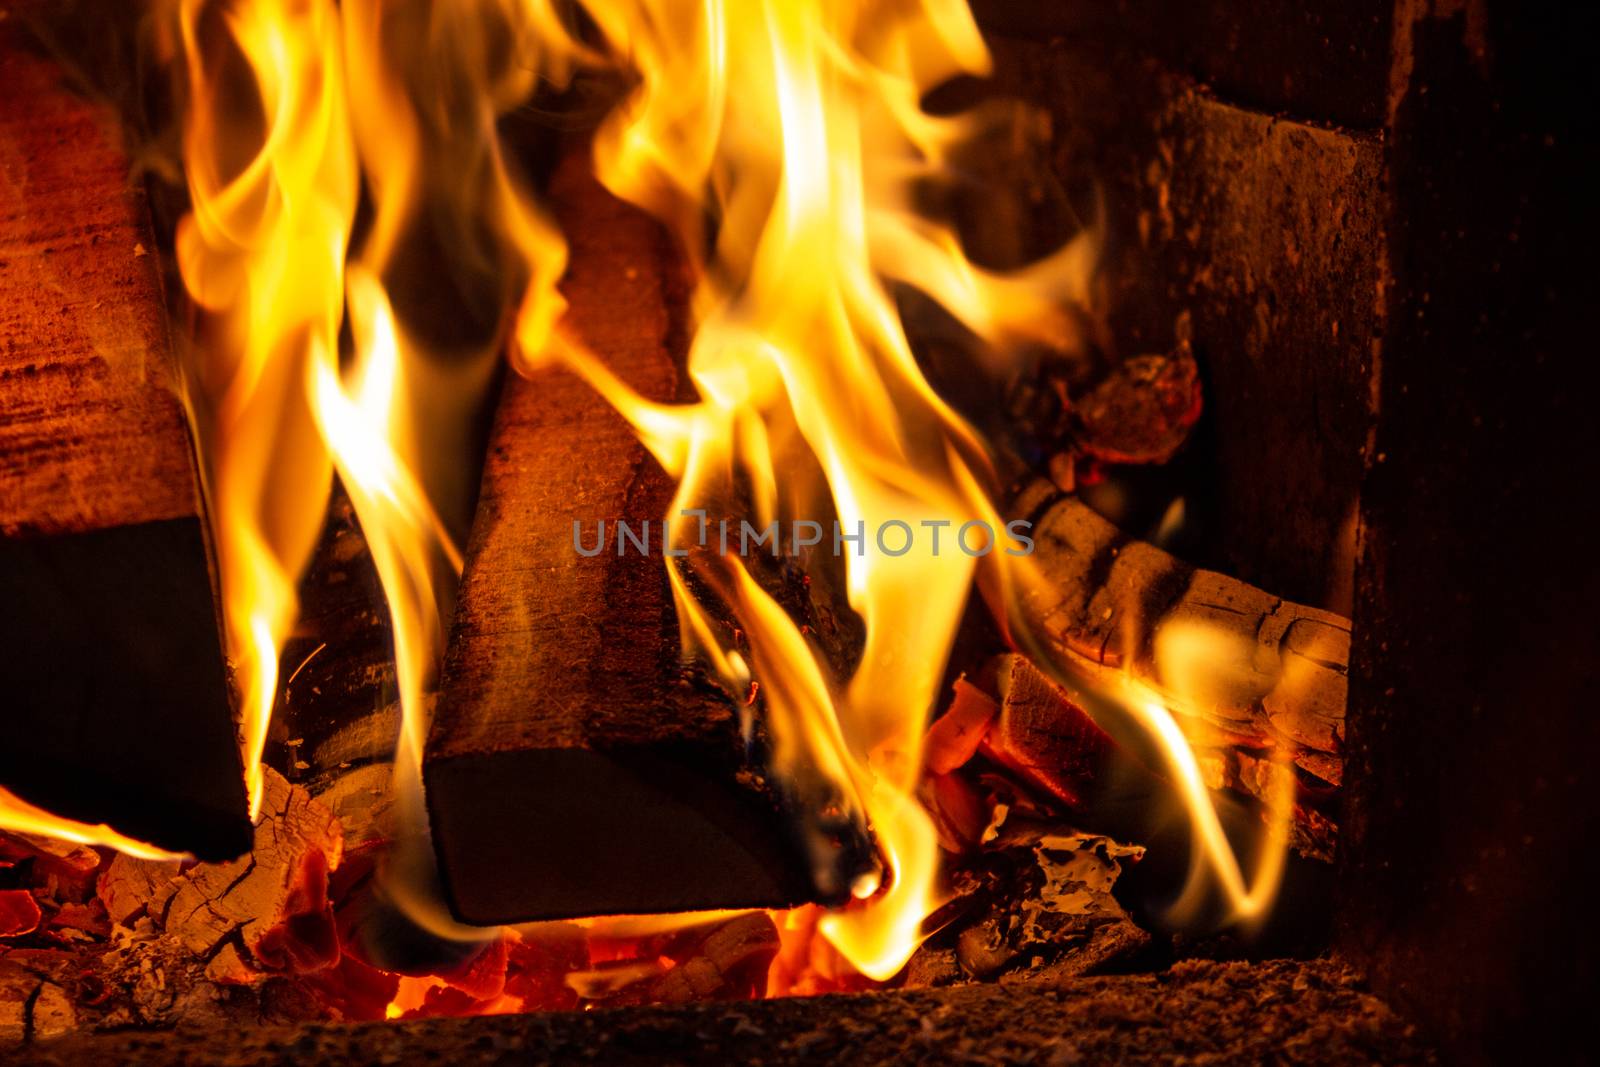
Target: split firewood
pixel 116 698
pixel 131 887
pixel 575 766
pixel 265 912
pixel 955 736
pixel 1037 732
pixel 1262 674
pixel 336 708
pixel 1311 832
pixel 336 720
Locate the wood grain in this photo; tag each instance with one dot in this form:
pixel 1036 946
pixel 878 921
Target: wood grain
pixel 92 434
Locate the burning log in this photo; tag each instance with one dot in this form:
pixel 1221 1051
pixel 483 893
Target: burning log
pixel 336 717
pixel 117 706
pixel 575 766
pixel 1273 673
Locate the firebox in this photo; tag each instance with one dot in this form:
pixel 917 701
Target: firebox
pixel 780 530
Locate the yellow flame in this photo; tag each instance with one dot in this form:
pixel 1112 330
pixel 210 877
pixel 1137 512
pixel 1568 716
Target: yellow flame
pixel 402 530
pixel 292 107
pixel 1193 662
pixel 18 816
pixel 798 128
pixel 1213 862
pixel 270 165
pixel 1186 655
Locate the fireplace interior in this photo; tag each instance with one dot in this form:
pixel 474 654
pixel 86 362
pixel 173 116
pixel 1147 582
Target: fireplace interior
pixel 379 380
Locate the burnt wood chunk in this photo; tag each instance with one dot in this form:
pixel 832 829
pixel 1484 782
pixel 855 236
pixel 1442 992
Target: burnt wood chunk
pixel 1045 738
pixel 575 766
pixel 115 699
pixel 1269 675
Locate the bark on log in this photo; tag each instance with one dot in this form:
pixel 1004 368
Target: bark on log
pixel 110 658
pixel 575 767
pixel 1273 675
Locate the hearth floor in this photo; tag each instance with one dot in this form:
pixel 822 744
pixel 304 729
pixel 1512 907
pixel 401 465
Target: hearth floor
pixel 1197 1012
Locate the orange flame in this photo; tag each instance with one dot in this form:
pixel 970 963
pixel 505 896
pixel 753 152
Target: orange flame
pixel 273 183
pixel 1183 654
pixel 294 107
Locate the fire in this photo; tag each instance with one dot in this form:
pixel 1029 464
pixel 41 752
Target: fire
pixel 1185 654
pixel 799 128
pixel 293 109
pixel 1182 653
pixel 18 816
pixel 785 145
pixel 273 182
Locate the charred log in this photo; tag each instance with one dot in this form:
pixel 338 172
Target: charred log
pixel 1273 677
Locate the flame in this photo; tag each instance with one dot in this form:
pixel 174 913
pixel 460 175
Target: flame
pixel 1184 652
pixel 273 182
pixel 291 105
pixel 299 112
pixel 18 816
pixel 798 127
